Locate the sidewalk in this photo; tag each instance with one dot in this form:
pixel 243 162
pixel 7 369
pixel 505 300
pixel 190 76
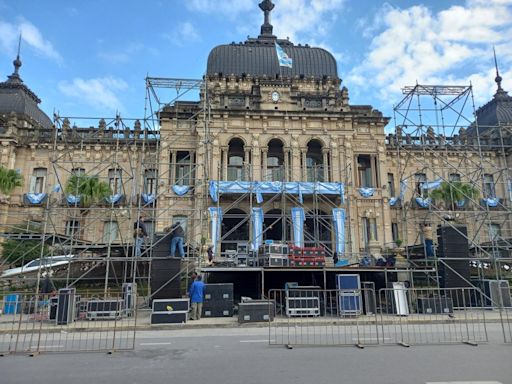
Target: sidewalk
pixel 28 324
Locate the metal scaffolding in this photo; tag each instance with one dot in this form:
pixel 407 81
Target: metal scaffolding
pixel 438 141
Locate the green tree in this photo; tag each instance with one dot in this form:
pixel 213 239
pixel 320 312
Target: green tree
pixel 9 179
pixel 452 192
pixel 90 189
pixel 19 252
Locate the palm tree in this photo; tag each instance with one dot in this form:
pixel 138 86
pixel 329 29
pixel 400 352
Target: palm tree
pixel 9 180
pixel 90 189
pixel 453 192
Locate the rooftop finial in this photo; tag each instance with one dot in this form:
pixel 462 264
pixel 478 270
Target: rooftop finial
pixel 266 6
pixel 498 77
pixel 17 62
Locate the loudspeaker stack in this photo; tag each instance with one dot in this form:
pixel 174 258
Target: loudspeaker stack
pixel 162 271
pixel 161 245
pixel 453 244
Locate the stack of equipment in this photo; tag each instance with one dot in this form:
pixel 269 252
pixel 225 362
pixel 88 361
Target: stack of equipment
pixel 303 301
pixel 104 309
pixel 129 297
pixel 218 300
pixel 256 310
pixel 65 306
pixel 307 257
pixel 165 279
pixel 170 311
pixel 273 255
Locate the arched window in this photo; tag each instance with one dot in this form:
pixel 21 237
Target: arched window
pixel 236 160
pixel 275 161
pixel 235 229
pixel 315 162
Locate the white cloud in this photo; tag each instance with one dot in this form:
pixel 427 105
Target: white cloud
pixel 451 46
pixel 98 92
pixel 229 8
pixel 182 34
pixel 308 19
pixel 9 34
pixel 300 20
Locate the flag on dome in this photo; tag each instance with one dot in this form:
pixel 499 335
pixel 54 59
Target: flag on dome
pixel 282 57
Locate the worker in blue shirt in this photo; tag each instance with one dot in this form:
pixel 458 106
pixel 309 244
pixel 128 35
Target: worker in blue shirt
pixel 196 294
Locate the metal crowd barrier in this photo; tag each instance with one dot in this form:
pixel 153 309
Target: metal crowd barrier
pixel 323 317
pixel 65 322
pixel 431 316
pixel 506 318
pixel 398 315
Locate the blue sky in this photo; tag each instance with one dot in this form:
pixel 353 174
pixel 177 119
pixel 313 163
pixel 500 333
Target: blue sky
pixel 90 58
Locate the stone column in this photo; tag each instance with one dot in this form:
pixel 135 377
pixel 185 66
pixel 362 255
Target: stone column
pixel 325 153
pixel 224 175
pixel 286 164
pixel 304 165
pixel 172 166
pixel 264 152
pixel 248 168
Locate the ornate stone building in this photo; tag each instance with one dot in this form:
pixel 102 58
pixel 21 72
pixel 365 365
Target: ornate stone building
pixel 261 141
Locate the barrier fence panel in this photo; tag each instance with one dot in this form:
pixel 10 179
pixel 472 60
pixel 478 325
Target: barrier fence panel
pixel 431 315
pixel 67 322
pixel 506 315
pixel 308 316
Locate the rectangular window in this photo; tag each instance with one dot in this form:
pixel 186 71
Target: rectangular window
pixel 78 171
pixel 72 228
pixel 494 232
pixel 110 231
pixel 391 185
pixel 489 186
pixel 183 168
pixel 38 180
pixel 367 171
pixel 420 179
pixel 394 231
pixel 114 181
pixel 454 177
pixel 150 176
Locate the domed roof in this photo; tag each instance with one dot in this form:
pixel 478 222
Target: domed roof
pixel 16 97
pixel 257 56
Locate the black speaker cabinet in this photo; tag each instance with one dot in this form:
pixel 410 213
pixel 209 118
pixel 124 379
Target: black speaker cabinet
pixel 161 245
pixel 65 306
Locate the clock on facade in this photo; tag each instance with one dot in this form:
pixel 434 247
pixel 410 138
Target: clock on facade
pixel 275 96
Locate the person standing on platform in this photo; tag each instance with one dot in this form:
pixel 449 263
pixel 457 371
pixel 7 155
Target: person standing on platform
pixel 139 234
pixel 196 294
pixel 177 240
pixel 428 239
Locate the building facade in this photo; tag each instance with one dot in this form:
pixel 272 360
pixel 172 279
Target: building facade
pixel 263 140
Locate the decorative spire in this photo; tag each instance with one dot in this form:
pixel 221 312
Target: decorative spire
pixel 498 77
pixel 15 77
pixel 266 29
pixel 17 62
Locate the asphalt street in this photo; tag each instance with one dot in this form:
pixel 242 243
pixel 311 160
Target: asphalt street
pixel 242 355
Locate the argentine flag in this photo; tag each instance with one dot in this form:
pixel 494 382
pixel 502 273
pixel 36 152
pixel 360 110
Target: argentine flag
pixel 282 57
